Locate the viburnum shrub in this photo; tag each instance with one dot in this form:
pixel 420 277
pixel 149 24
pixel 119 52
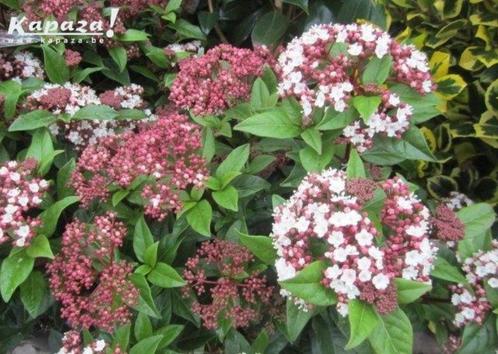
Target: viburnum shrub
pixel 246 177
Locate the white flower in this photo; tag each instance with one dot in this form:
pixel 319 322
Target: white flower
pixel 365 275
pixel 333 272
pixel 493 282
pixel 321 227
pixel 340 254
pixel 364 263
pixel 348 276
pixel 284 270
pixel 364 238
pixel 99 345
pixel 302 224
pixel 336 238
pixel 34 187
pixel 468 313
pixel 23 231
pixel 342 309
pixel 413 258
pixel 416 231
pixel 355 49
pixel 380 281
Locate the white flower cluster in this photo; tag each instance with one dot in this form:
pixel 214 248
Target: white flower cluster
pixel 321 209
pixel 80 96
pixel 189 47
pixel 22 65
pixel 20 192
pixel 392 120
pixel 96 347
pixel 483 267
pixel 457 201
pixel 131 96
pixel 467 304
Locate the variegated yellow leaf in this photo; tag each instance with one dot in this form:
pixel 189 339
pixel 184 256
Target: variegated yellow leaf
pixel 440 64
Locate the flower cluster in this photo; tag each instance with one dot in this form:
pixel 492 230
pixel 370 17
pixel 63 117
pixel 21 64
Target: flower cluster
pixel 70 98
pixel 61 99
pixel 409 253
pixel 456 201
pixel 91 285
pixel 71 344
pixel 219 79
pixel 447 226
pixel 194 47
pixel 20 192
pixel 20 66
pixel 230 297
pixel 392 119
pixel 322 210
pixel 321 69
pixel 72 57
pixel 481 271
pixel 36 9
pixel 166 151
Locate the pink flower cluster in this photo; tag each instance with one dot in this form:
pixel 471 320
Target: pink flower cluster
pixel 323 210
pixel 447 226
pixel 37 9
pixel 91 285
pixel 72 57
pixel 320 79
pixel 19 66
pixel 228 296
pixel 21 191
pixel 219 79
pixel 481 270
pixel 71 344
pixel 166 151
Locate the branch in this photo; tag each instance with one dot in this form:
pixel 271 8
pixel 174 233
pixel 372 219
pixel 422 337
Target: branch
pixel 216 27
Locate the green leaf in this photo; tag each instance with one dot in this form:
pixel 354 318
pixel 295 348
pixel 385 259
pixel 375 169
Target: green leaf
pixel 63 178
pixel 234 162
pixel 362 320
pixel 143 327
pixel 32 120
pixel 150 254
pixel 478 219
pixel 366 105
pixel 355 168
pixel 142 238
pixel 479 338
pixel 424 107
pixel 122 336
pixel 393 334
pixel 260 95
pixel 313 138
pixel 147 345
pixel 95 112
pixel 55 65
pixel 165 276
pixel 133 35
pixel 303 4
pixel 12 91
pixel 14 271
pixel 169 333
pixel 444 270
pixel 269 28
pixel 118 196
pixel 307 285
pixel 409 290
pixel 259 163
pixel 145 301
pixel 271 124
pixel 337 120
pixel 51 215
pixel 227 198
pixel 188 30
pixel 34 292
pixel 118 54
pixel 41 148
pixel 296 320
pixel 377 70
pixel 199 218
pixel 260 246
pixel 314 162
pixel 369 10
pixel 40 247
